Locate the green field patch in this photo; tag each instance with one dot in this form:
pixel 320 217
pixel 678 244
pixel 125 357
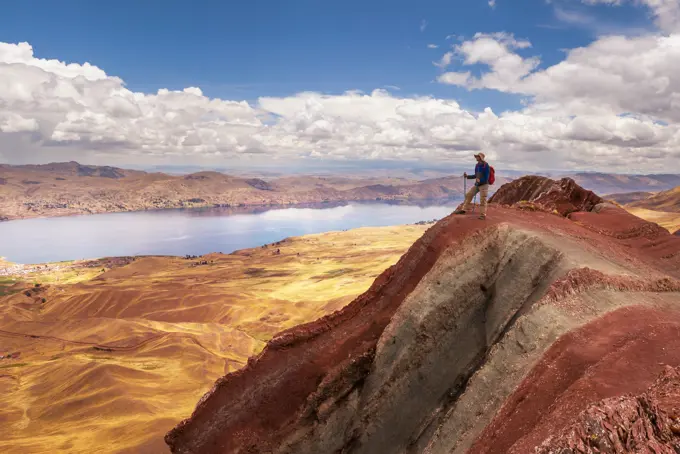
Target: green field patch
pixel 333 273
pixel 6 284
pixel 265 273
pixel 7 366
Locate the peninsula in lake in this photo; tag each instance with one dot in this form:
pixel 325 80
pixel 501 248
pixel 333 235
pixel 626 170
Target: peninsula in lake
pixel 69 188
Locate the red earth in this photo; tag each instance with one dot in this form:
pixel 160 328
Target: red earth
pixel 622 352
pixel 256 408
pixel 563 196
pixel 648 423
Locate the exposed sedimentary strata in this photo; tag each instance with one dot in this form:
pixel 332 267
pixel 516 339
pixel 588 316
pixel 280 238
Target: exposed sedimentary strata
pixel 563 196
pixel 435 340
pixel 429 357
pixel 619 353
pixel 649 422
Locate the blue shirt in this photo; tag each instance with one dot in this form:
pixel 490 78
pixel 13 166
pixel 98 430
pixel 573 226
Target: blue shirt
pixel 482 172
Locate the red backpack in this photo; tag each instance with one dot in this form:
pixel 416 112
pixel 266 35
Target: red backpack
pixel 492 175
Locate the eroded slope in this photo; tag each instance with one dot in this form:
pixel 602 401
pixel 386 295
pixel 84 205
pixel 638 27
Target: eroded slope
pixel 662 201
pixel 662 208
pixel 424 360
pixel 111 363
pixel 643 423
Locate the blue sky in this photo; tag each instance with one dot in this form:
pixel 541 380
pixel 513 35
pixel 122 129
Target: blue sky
pixel 243 50
pixel 594 90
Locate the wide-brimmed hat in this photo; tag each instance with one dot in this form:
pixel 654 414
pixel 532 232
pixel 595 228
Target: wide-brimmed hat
pixel 481 155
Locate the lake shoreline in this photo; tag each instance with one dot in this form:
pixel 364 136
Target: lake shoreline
pixel 94 262
pixel 9 269
pixel 108 336
pixel 196 232
pixel 250 208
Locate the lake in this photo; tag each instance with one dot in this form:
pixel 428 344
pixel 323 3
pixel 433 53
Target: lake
pixel 194 231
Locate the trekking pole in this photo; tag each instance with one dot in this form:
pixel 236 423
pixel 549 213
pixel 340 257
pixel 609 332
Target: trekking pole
pixel 464 187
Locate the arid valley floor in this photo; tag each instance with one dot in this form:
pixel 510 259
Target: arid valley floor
pixel 560 307
pixel 113 355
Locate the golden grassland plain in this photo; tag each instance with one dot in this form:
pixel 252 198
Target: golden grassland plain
pixel 666 219
pixel 109 360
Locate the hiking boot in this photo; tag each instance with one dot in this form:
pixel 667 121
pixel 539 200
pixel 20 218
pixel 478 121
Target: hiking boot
pixel 459 212
pixel 482 216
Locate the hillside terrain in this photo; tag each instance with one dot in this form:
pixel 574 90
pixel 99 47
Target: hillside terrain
pixel 625 198
pixel 661 207
pixel 611 183
pixel 532 330
pixel 106 356
pixel 70 188
pixel 668 201
pixel 666 219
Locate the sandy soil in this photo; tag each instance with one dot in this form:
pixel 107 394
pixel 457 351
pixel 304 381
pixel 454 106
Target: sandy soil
pixel 114 359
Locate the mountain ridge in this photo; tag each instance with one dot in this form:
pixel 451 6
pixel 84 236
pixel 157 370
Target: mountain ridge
pixel 60 189
pixel 661 207
pixel 668 201
pixel 455 328
pixel 70 188
pixel 609 183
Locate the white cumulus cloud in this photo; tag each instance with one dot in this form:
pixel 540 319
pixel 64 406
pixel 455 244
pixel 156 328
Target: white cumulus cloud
pixel 666 13
pixel 497 51
pixel 614 74
pixel 596 109
pixel 11 122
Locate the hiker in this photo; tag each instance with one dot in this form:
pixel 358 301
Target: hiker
pixel 482 178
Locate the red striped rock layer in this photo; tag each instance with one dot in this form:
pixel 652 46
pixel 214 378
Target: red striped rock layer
pixel 394 371
pixel 563 196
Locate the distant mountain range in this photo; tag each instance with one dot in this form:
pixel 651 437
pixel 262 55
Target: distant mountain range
pixel 625 198
pixel 661 207
pixel 611 183
pixel 68 188
pixel 662 201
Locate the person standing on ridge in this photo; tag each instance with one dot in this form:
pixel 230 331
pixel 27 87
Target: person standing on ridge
pixel 482 177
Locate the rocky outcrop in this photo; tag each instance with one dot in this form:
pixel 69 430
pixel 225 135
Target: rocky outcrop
pixel 432 355
pixel 647 423
pixel 621 224
pixel 107 172
pixel 260 184
pixel 563 196
pixel 620 353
